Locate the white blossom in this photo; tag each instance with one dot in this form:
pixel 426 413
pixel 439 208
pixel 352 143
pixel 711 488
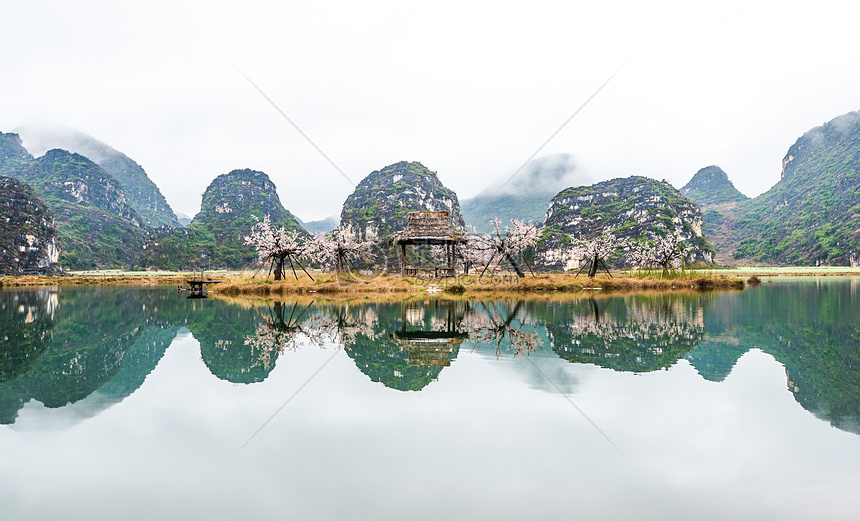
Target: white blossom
pixel 338 249
pixel 664 252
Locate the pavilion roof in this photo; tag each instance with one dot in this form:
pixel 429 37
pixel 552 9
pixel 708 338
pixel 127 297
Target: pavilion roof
pixel 431 226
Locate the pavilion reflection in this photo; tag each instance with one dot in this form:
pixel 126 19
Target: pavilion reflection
pixel 430 331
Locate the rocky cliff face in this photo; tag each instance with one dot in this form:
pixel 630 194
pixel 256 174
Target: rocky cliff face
pixel 74 178
pixel 28 239
pixel 97 227
pixel 377 208
pixel 231 205
pixel 143 195
pixel 630 208
pixel 812 215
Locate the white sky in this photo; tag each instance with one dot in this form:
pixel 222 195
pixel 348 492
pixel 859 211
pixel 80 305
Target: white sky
pixel 470 89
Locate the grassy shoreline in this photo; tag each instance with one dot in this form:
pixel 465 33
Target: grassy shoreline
pixel 468 285
pixel 240 283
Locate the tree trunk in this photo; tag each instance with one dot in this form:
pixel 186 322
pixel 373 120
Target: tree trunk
pixel 279 267
pixel 592 271
pixel 514 265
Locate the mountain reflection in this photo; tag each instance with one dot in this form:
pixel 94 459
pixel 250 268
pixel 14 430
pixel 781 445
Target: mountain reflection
pixel 637 333
pixel 812 327
pixel 61 346
pixel 406 344
pixel 93 347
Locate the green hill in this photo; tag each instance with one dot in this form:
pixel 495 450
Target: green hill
pixel 812 215
pixel 96 225
pixel 143 195
pixel 719 200
pixel 630 208
pixel 231 205
pixel 712 186
pixel 377 208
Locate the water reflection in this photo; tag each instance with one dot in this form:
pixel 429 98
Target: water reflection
pixel 406 344
pixel 95 346
pixel 637 333
pixel 812 327
pixel 431 332
pixel 60 347
pixel 503 325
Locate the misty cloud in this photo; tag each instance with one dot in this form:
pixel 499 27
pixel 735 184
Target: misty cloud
pixel 546 175
pixel 38 139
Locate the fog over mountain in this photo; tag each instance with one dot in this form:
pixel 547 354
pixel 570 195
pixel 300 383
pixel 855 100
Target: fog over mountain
pixel 547 175
pixel 143 194
pixel 526 195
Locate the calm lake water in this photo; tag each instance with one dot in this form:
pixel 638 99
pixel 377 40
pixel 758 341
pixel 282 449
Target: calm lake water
pixel 120 403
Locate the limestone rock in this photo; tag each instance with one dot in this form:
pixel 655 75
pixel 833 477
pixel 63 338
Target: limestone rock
pixel 629 208
pixel 28 238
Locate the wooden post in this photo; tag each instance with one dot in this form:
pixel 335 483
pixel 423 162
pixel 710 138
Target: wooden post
pixel 403 259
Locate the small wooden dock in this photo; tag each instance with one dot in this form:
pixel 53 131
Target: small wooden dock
pixel 198 287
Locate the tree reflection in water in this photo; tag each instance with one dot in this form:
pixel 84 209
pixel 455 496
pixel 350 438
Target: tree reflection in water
pixel 501 323
pixel 60 346
pixel 286 326
pixel 632 333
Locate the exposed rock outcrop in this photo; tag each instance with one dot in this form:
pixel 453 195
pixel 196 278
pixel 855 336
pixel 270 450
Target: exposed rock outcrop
pixel 96 226
pixel 28 238
pixel 629 208
pixel 377 208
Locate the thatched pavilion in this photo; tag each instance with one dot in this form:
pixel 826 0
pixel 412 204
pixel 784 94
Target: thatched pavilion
pixel 433 229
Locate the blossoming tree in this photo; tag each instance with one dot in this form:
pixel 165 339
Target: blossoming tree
pixel 339 249
pixel 595 251
pixel 665 252
pixel 276 245
pixel 498 246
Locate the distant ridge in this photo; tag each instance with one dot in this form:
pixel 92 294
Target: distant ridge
pixel 323 225
pixel 143 195
pixel 711 185
pixel 526 196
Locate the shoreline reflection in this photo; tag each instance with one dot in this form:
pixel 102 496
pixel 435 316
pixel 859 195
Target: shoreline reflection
pixel 60 346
